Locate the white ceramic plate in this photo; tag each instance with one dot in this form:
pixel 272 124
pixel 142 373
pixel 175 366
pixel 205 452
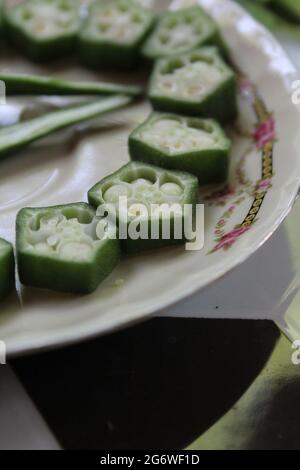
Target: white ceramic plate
pixel 238 220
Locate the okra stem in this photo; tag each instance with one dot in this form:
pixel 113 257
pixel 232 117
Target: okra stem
pixel 19 135
pixel 22 84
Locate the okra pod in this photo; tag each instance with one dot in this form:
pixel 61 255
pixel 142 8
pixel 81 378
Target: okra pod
pixel 272 20
pixel 13 138
pixel 7 268
pixel 196 83
pixel 198 146
pixel 22 84
pixel 151 193
pixel 58 248
pixel 43 29
pixel 180 31
pixel 113 34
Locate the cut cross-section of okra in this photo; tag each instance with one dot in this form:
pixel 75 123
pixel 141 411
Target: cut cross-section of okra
pixel 113 33
pixel 197 83
pixel 195 145
pixel 7 268
pixel 58 248
pixel 154 197
pixel 180 31
pixel 44 29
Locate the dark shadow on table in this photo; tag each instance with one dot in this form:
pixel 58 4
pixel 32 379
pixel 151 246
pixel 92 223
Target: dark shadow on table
pixel 158 385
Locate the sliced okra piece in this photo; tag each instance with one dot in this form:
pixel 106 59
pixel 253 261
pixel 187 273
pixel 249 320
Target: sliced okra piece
pixel 196 83
pixel 23 84
pixel 198 146
pixel 180 31
pixel 7 268
pixel 154 198
pixel 58 248
pixel 17 136
pixel 44 29
pixel 113 33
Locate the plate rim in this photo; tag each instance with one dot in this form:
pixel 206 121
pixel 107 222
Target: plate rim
pixel 137 313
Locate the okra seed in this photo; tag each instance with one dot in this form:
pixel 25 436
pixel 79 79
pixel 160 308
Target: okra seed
pixel 171 189
pixel 138 210
pixel 113 194
pixel 42 248
pixel 53 240
pixel 142 182
pixel 136 18
pixel 75 250
pixel 102 229
pixel 27 15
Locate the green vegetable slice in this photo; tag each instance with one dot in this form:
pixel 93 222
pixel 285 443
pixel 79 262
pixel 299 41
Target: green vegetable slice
pixel 15 137
pixel 180 31
pixel 21 84
pixel 151 187
pixel 198 146
pixel 113 33
pixel 197 83
pixel 44 29
pixel 58 248
pixel 7 268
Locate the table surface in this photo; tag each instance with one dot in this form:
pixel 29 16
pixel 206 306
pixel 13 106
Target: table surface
pixel 197 374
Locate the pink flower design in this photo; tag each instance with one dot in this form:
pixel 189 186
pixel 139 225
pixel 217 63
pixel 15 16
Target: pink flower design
pixel 264 185
pixel 246 87
pixel 265 133
pixel 230 238
pixel 222 195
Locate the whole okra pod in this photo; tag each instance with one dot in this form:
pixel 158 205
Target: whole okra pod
pixel 7 268
pixel 23 84
pixel 13 138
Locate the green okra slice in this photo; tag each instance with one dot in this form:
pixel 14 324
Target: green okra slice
pixel 198 146
pixel 113 33
pixel 43 29
pixel 17 136
pixel 180 31
pixel 196 83
pixel 59 248
pixel 150 193
pixel 7 268
pixel 22 84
